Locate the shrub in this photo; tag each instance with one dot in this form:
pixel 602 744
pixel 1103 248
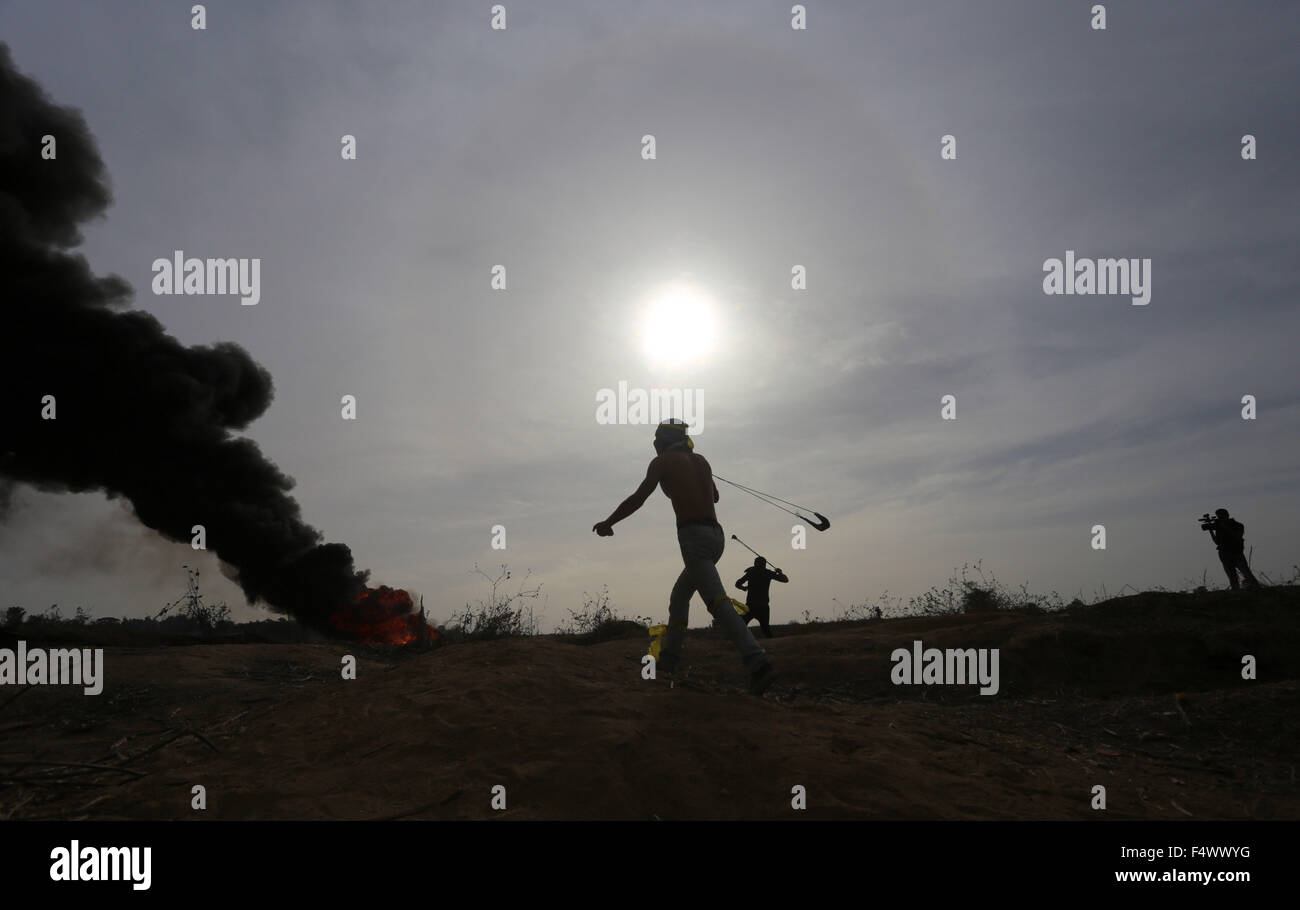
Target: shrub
pixel 194 615
pixel 980 600
pixel 971 590
pixel 502 615
pixel 597 620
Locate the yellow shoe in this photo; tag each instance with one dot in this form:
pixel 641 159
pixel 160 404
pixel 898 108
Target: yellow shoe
pixel 656 640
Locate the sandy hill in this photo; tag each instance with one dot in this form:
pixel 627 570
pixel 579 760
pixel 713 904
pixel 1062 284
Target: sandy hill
pixel 1090 696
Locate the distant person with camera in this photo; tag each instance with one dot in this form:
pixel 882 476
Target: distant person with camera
pixel 1229 535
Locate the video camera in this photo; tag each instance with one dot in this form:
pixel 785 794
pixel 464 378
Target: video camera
pixel 1208 522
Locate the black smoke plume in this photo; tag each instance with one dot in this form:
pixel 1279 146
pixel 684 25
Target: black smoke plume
pixel 139 415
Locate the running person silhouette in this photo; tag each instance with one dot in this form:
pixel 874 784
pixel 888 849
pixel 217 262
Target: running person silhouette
pixel 687 479
pixel 755 583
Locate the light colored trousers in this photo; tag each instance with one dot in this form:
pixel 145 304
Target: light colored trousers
pixel 702 547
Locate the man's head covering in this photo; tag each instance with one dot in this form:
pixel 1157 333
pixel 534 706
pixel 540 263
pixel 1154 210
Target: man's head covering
pixel 1222 513
pixel 670 435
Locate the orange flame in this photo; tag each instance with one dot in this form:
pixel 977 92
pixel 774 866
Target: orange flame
pixel 382 615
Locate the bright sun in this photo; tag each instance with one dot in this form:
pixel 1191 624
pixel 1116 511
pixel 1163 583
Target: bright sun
pixel 678 326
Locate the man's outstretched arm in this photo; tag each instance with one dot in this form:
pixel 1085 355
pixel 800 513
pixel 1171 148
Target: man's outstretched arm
pixel 653 475
pixel 743 582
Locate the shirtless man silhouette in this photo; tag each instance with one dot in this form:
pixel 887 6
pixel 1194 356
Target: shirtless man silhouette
pixel 687 479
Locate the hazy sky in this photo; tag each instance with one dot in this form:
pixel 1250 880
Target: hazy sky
pixel 775 148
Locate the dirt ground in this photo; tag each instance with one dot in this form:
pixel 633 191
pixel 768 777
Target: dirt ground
pixel 1088 697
